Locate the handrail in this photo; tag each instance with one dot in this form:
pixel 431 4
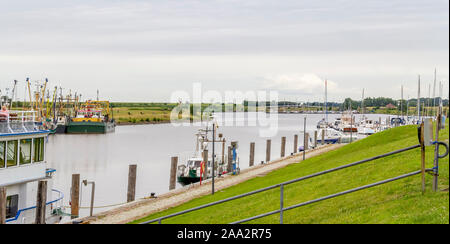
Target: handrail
pixel 61 197
pixel 329 197
pixel 282 184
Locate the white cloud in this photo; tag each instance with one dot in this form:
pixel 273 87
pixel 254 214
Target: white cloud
pixel 299 83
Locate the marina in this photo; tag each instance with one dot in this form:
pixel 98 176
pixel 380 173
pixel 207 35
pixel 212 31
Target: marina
pixel 73 154
pixel 224 112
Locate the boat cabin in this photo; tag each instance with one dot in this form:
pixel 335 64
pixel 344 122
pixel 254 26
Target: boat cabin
pixel 88 115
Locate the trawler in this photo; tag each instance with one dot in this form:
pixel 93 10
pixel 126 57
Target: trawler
pixel 192 170
pixel 22 165
pixel 93 117
pixel 61 124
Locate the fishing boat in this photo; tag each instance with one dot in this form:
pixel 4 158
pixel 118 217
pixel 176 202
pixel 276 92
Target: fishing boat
pixel 93 117
pixel 22 165
pixel 192 170
pixel 61 124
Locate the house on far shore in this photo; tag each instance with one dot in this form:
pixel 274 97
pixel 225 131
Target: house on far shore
pixel 390 106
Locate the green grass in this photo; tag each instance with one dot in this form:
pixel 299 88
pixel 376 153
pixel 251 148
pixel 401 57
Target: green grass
pixel 396 202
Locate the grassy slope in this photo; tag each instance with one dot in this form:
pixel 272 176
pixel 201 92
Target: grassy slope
pixel 396 202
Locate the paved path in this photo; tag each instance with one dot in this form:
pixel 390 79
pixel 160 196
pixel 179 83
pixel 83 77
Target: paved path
pixel 144 207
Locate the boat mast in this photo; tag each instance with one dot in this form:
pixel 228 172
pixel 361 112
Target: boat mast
pixel 401 102
pixel 428 100
pixel 13 94
pixel 362 104
pixel 407 109
pixel 326 106
pixel 434 91
pixel 418 100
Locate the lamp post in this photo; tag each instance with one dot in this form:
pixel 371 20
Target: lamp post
pixel 213 156
pixel 304 138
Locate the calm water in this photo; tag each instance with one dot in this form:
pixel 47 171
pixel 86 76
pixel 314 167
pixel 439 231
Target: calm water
pixel 105 158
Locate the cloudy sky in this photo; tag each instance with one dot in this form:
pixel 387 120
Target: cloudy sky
pixel 136 50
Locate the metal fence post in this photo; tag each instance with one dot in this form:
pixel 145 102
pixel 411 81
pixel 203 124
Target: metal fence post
pixel 281 203
pixel 422 153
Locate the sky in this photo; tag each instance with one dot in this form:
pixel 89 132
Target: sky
pixel 144 51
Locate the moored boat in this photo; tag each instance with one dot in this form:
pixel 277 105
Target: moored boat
pixel 93 118
pixel 193 170
pixel 22 165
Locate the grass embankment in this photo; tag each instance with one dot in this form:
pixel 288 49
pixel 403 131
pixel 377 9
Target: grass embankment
pixel 396 202
pixel 141 115
pixel 146 113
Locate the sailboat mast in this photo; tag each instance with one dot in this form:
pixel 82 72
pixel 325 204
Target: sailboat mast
pixel 326 100
pixel 418 100
pixel 434 91
pixel 428 101
pixel 362 103
pixel 401 103
pixel 407 108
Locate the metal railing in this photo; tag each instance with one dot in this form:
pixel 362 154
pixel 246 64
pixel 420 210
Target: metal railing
pixel 17 121
pixel 57 202
pixel 281 186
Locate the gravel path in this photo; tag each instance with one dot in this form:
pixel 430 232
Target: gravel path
pixel 144 207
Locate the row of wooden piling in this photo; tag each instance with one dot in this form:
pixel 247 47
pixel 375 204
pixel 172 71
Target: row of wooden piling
pixel 131 192
pixel 174 161
pixel 75 191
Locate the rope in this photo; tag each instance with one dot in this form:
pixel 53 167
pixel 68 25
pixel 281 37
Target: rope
pixel 105 206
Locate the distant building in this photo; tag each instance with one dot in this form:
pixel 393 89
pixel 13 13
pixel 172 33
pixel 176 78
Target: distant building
pixel 391 106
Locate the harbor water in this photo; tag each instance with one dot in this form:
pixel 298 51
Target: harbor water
pixel 105 158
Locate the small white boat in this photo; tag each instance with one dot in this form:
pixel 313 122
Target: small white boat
pixel 192 170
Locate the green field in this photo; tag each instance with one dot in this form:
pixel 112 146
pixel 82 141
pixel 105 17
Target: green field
pixel 396 202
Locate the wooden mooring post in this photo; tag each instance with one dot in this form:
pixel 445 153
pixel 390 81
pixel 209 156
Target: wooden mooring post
pixel 323 137
pixel 132 172
pixel 283 147
pixel 2 205
pixel 173 173
pixel 75 196
pixel 268 147
pixel 205 160
pixel 295 143
pixel 41 201
pixel 306 141
pixel 315 139
pixel 252 154
pixel 230 160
